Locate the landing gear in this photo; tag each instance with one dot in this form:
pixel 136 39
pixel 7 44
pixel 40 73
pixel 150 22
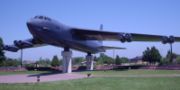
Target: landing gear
pixel 67 60
pixel 171 53
pixel 89 62
pixel 21 58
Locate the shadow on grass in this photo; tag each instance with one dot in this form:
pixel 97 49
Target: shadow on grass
pixel 105 70
pixel 53 72
pixel 46 73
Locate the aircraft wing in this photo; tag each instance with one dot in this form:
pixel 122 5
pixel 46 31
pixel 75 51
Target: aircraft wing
pixel 86 34
pixel 22 44
pixel 110 47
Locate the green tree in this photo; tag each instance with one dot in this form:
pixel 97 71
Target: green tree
pixel 104 59
pixel 146 55
pixel 152 55
pixel 164 61
pixel 2 56
pixel 77 60
pixel 55 61
pixel 11 62
pixel 124 60
pixel 178 59
pixel 155 55
pixel 44 62
pixel 117 60
pixel 168 56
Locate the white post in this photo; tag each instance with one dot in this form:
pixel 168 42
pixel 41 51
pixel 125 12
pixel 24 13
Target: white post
pixel 89 62
pixel 67 61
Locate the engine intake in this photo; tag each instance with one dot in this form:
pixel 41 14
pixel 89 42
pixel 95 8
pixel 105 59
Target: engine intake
pixel 169 39
pixel 22 44
pixel 125 37
pixel 165 40
pixel 128 37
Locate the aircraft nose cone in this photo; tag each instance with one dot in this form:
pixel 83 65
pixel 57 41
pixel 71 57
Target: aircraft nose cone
pixel 29 23
pixel 31 26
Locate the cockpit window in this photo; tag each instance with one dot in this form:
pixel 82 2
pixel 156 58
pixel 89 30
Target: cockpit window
pixel 42 17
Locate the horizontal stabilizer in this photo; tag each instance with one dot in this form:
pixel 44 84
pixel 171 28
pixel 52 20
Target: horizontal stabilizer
pixel 110 47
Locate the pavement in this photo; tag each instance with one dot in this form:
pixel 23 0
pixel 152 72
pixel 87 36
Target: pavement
pixel 29 78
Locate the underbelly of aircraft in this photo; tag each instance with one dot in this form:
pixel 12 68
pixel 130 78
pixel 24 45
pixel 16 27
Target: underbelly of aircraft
pixel 75 45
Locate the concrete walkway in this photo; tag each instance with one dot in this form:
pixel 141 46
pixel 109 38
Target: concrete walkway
pixel 29 78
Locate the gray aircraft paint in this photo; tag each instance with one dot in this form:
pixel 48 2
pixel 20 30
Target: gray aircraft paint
pixel 54 33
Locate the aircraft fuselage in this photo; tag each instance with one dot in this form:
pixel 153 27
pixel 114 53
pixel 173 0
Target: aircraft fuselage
pixel 54 33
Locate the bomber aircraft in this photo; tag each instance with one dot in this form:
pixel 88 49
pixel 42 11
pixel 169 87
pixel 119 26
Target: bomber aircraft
pixel 47 31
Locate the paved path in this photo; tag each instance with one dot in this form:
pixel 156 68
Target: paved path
pixel 27 78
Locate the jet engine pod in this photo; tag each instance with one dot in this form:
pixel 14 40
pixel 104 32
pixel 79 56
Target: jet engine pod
pixel 22 44
pixel 165 40
pixel 171 39
pixel 10 48
pixel 122 38
pixel 18 43
pixel 128 37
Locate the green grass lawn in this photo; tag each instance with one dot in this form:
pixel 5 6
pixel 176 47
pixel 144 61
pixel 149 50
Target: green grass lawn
pixel 133 72
pixel 22 72
pixel 108 83
pixel 113 83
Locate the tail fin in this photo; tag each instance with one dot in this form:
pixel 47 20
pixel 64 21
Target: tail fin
pixel 101 29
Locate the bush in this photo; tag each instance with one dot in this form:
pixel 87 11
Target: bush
pixel 118 60
pixel 124 60
pixel 44 62
pixel 178 60
pixel 77 60
pixel 164 61
pixel 11 62
pixel 104 59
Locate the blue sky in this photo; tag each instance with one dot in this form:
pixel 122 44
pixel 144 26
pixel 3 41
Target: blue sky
pixel 137 16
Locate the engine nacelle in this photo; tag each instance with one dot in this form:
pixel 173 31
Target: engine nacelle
pixel 128 37
pixel 10 48
pixel 125 37
pixel 171 39
pixel 18 43
pixel 122 38
pixel 165 40
pixel 22 44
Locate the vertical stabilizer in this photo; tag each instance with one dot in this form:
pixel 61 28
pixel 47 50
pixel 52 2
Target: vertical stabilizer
pixel 101 29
